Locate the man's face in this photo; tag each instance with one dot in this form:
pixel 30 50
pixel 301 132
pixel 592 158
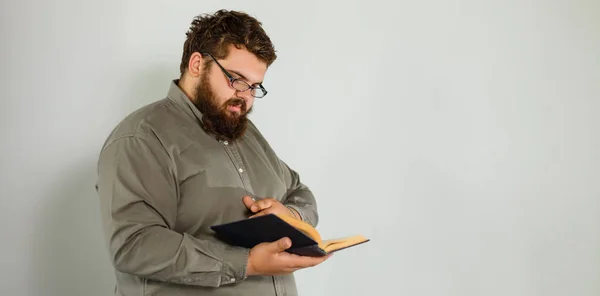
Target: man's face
pixel 225 109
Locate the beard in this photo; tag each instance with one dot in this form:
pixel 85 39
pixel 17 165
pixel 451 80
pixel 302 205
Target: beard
pixel 216 118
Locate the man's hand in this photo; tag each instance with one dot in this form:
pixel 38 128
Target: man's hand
pixel 267 206
pixel 271 259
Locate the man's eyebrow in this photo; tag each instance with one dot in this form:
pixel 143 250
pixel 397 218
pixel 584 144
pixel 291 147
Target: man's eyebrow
pixel 242 76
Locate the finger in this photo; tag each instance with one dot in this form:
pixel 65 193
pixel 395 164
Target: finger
pixel 307 261
pixel 248 201
pixel 280 245
pixel 261 205
pixel 261 213
pixel 290 270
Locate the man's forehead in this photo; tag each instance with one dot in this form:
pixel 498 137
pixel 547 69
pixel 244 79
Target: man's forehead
pixel 245 64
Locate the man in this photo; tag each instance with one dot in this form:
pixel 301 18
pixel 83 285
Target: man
pixel 175 167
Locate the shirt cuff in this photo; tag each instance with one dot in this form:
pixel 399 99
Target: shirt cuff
pixel 235 261
pixel 302 217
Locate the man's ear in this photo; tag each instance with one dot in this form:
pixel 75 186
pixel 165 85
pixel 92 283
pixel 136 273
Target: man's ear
pixel 195 64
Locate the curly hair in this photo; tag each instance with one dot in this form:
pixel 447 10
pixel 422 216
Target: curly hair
pixel 214 33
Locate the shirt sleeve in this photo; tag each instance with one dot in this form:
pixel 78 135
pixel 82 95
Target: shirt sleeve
pixel 299 196
pixel 138 194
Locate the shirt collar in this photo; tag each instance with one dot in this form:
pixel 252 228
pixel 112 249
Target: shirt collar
pixel 177 95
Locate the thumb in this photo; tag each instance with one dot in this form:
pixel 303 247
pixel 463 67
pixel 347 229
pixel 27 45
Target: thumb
pixel 281 245
pixel 248 201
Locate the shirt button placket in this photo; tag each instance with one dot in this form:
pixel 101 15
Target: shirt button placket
pixel 238 163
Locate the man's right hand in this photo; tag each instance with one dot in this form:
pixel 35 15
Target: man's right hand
pixel 271 259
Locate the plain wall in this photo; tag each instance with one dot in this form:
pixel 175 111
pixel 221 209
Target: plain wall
pixel 461 137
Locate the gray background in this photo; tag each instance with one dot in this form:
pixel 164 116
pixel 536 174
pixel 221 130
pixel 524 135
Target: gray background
pixel 460 136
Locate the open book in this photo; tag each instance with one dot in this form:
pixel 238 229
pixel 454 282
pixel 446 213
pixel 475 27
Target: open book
pixel 306 240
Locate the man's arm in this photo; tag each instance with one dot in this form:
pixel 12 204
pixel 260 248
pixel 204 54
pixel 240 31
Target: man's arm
pixel 138 195
pixel 298 196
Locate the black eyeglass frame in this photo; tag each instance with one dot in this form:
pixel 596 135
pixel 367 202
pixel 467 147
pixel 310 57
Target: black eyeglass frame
pixel 233 80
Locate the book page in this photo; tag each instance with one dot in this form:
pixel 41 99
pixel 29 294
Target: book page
pixel 303 227
pixel 340 243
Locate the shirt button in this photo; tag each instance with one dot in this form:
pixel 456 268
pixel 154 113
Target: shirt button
pixel 240 170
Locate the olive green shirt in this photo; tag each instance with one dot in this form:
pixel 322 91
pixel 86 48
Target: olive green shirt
pixel 163 181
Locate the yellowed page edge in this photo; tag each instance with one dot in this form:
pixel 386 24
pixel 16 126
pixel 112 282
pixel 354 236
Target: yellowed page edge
pixel 339 243
pixel 302 226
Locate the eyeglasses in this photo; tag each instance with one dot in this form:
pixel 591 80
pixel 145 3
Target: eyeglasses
pixel 239 84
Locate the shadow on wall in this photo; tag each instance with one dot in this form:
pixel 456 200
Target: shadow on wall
pixel 70 255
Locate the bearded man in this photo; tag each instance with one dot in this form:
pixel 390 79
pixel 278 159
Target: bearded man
pixel 177 166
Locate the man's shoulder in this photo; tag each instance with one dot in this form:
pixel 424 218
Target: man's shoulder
pixel 145 121
pixel 254 133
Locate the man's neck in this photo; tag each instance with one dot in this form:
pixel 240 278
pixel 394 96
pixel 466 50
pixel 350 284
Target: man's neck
pixel 188 87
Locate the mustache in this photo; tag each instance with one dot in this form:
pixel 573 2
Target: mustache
pixel 235 102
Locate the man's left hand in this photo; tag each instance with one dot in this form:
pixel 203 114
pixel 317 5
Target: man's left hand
pixel 267 206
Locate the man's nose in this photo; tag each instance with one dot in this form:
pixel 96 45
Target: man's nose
pixel 246 95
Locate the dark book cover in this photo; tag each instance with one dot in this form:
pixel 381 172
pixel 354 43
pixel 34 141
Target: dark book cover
pixel 268 228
